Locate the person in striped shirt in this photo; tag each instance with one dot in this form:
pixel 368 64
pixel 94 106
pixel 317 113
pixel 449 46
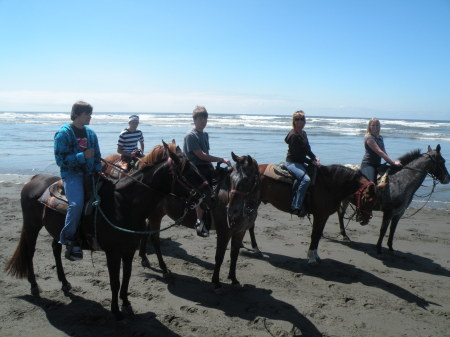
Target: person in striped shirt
pixel 127 146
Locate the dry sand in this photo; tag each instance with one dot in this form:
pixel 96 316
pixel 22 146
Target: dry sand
pixel 353 292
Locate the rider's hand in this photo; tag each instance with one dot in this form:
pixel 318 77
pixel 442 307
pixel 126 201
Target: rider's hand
pixel 317 161
pixel 89 153
pixel 397 163
pixel 226 161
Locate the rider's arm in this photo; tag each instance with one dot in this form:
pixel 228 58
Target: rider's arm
pixel 375 148
pixel 206 157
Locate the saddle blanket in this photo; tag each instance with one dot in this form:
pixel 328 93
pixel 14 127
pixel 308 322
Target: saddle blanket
pixel 54 198
pixel 278 172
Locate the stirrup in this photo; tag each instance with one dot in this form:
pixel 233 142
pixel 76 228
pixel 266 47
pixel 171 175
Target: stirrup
pixel 383 181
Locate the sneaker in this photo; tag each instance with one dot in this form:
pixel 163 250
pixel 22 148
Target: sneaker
pixel 73 253
pixel 201 229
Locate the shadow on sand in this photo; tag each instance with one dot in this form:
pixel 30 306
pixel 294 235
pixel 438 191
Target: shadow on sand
pixel 82 317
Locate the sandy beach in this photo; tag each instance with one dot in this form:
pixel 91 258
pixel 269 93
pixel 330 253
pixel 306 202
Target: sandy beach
pixel 353 292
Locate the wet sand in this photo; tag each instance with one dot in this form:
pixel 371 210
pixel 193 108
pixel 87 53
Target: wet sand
pixel 353 292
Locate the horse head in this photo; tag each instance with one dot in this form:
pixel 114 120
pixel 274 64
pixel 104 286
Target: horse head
pixel 438 170
pixel 244 187
pixel 187 180
pixel 366 197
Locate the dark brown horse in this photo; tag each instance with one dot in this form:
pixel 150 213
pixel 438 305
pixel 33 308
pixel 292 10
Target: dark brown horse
pixel 395 198
pixel 333 184
pixel 237 201
pixel 121 212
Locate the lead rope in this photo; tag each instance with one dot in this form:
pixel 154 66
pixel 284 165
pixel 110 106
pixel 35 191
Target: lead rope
pixel 96 204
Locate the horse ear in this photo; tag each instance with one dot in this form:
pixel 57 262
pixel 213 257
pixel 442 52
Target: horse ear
pixel 173 141
pixel 235 158
pixel 438 148
pixel 179 149
pixel 172 155
pixel 249 159
pixel 429 148
pixel 165 144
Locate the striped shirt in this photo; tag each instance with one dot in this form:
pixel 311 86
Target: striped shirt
pixel 128 140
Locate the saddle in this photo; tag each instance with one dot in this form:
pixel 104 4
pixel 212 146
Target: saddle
pixel 280 173
pixel 54 197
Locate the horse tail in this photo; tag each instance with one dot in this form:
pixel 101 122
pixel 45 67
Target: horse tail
pixel 20 265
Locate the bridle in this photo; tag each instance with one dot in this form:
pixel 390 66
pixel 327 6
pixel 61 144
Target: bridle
pixel 246 209
pixel 359 195
pixel 193 192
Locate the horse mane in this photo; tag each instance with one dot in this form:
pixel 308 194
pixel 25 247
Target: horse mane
pixel 410 156
pixel 339 174
pixel 158 153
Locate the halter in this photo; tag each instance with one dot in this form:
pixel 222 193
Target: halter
pixel 359 197
pixel 246 210
pixel 183 182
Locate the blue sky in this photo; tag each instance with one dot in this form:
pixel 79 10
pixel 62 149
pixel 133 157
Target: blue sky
pixel 389 59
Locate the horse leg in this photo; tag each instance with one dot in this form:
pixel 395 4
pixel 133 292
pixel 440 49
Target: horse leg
pixel 236 241
pixel 255 247
pixel 127 266
pixel 113 262
pixel 57 248
pixel 223 237
pixel 394 223
pixel 157 245
pixel 341 212
pixel 387 216
pixel 143 252
pixel 318 226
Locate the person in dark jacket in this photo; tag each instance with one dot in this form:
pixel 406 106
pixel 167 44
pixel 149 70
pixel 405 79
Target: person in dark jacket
pixel 299 156
pixel 77 154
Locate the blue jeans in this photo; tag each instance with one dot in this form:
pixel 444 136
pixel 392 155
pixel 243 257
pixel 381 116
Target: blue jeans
pixel 299 172
pixel 369 171
pixel 74 188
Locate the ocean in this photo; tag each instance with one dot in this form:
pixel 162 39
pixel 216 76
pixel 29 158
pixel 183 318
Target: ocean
pixel 27 139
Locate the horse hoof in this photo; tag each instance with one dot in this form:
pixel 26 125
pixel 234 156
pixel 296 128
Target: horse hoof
pixel 35 291
pixel 257 252
pixel 66 287
pixel 145 263
pixel 127 310
pixel 346 238
pixel 167 274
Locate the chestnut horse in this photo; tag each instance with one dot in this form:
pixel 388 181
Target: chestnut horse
pixel 333 184
pixel 120 219
pixel 395 198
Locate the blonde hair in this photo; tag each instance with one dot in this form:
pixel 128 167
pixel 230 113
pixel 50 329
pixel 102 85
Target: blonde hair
pixel 298 113
pixel 373 120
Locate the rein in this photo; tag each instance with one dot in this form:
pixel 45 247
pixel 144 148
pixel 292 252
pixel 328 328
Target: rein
pixel 182 181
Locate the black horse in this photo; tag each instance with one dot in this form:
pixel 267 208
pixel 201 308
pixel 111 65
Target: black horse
pixel 394 199
pixel 237 201
pixel 120 219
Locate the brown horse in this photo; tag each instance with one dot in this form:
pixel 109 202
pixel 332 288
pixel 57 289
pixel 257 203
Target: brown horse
pixel 237 201
pixel 395 198
pixel 115 168
pixel 333 184
pixel 121 212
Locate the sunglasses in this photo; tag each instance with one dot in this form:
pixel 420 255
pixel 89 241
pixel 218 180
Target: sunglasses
pixel 299 119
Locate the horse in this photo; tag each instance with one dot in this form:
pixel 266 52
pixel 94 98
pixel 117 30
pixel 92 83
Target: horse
pixel 236 203
pixel 333 184
pixel 121 210
pixel 115 168
pixel 395 198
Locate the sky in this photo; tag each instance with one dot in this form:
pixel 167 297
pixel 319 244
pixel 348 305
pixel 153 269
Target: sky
pixel 349 58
